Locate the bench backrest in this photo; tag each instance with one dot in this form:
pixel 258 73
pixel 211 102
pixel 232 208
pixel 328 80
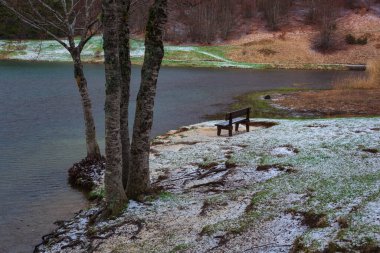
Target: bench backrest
pixel 243 112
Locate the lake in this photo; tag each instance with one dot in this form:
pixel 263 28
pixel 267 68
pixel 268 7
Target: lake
pixel 41 130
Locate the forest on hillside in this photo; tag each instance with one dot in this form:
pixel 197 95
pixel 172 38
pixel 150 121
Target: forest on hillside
pixel 208 21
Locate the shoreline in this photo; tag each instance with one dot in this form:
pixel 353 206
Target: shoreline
pixel 216 65
pixel 212 205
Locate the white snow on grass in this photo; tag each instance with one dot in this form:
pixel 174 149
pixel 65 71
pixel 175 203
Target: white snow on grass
pixel 282 151
pixel 50 50
pixel 216 200
pixel 331 171
pixel 371 213
pixel 35 51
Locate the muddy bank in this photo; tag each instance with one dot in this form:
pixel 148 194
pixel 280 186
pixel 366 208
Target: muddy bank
pixel 289 186
pixel 331 103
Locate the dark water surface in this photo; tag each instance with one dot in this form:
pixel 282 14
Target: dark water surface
pixel 41 130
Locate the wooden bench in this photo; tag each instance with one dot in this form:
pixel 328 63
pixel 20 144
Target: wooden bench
pixel 235 118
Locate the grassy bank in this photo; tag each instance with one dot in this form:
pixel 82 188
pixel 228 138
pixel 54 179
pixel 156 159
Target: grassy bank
pixel 351 96
pixel 263 105
pixel 185 56
pixel 370 81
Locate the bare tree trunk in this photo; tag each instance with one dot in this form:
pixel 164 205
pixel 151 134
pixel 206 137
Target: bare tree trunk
pixel 125 72
pixel 115 194
pixel 326 12
pixel 139 176
pixel 93 151
pixel 58 18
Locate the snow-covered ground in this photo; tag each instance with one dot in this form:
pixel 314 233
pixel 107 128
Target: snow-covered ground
pixel 306 185
pixel 50 50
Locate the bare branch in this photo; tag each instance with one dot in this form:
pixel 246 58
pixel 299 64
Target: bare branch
pixel 70 18
pixel 43 19
pixel 48 7
pixel 64 6
pixel 33 23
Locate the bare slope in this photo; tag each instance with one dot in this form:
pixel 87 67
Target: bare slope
pixel 293 45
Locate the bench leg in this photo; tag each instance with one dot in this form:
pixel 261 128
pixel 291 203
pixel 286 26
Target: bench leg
pixel 237 127
pixel 230 131
pixel 219 131
pixel 247 127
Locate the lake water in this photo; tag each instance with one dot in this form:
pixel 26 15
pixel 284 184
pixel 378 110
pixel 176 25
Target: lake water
pixel 41 130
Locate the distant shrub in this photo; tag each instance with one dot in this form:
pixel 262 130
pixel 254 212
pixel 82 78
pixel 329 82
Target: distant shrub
pixel 351 40
pixel 324 14
pixel 266 51
pixel 259 42
pixel 282 35
pixel 362 40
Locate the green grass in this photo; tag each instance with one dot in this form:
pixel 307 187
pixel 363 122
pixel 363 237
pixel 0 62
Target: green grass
pixel 186 56
pixel 260 108
pixel 166 196
pixel 97 194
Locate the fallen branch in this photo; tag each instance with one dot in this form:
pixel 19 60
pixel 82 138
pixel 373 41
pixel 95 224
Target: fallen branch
pixel 215 170
pixel 212 183
pixel 271 245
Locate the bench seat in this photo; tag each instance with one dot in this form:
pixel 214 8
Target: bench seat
pixel 234 121
pixel 234 118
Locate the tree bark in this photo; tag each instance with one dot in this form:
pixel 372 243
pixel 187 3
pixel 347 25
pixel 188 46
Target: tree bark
pixel 125 73
pixel 139 176
pixel 93 150
pixel 115 194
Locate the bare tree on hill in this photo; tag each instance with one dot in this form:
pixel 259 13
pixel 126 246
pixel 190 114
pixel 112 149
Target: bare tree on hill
pixel 326 13
pixel 249 8
pixel 206 20
pixel 67 19
pixel 274 10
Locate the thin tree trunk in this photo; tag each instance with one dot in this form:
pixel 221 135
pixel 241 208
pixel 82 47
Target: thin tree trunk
pixel 139 176
pixel 115 194
pixel 125 72
pixel 93 151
